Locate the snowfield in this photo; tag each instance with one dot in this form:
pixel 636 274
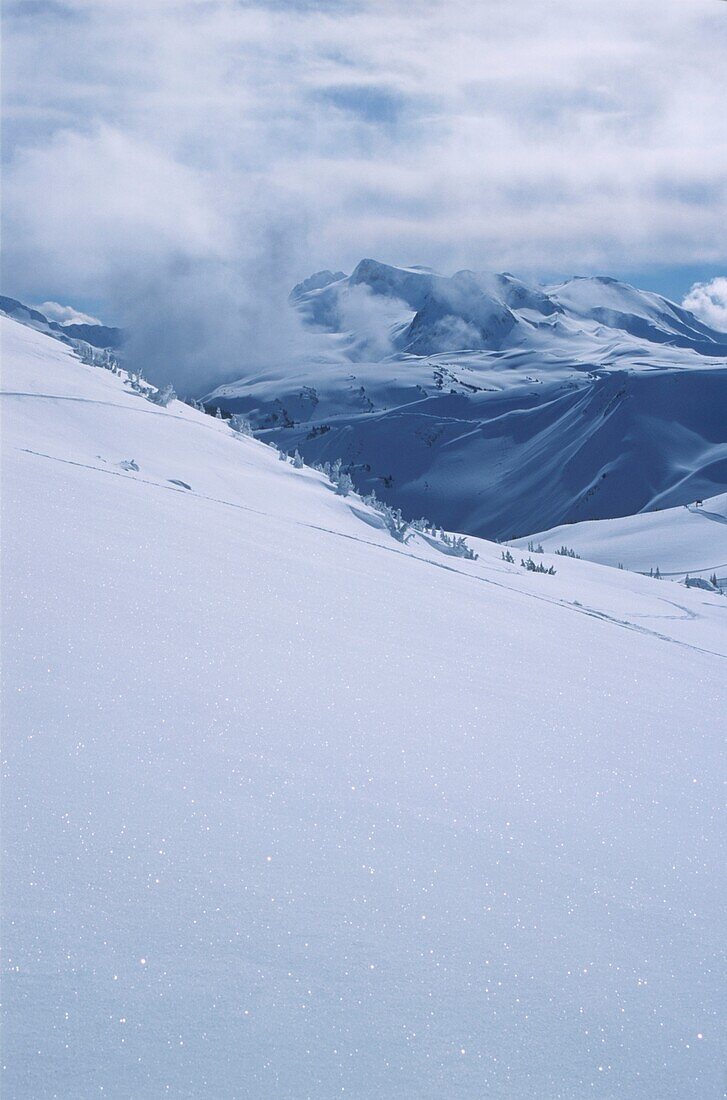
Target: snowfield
pixel 691 540
pixel 294 810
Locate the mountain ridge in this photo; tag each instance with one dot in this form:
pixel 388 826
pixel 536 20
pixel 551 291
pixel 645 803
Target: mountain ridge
pixel 496 407
pixel 468 293
pixel 97 335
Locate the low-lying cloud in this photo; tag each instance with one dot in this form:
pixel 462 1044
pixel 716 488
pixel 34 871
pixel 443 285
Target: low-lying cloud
pixel 65 315
pixel 154 144
pixel 373 318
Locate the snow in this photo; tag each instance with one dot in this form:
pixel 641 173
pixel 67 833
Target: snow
pixel 679 541
pixel 293 810
pixel 495 407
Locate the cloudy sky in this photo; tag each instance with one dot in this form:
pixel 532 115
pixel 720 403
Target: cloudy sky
pixel 170 152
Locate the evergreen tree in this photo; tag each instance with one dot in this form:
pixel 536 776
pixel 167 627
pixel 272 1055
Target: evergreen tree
pixel 344 485
pixel 240 424
pixel 162 397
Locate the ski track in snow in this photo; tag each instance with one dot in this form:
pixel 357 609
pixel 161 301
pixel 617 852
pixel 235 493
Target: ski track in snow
pixel 286 818
pixel 714 516
pixel 591 612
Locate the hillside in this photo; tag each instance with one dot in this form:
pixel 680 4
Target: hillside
pixel 678 541
pixel 495 407
pixel 292 809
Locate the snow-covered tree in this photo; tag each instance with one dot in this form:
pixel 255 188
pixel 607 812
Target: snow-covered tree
pixel 373 501
pixel 457 544
pixel 162 397
pixel 240 424
pixel 298 460
pixel 135 379
pixel 565 552
pixel 531 567
pixel 396 525
pixel 344 485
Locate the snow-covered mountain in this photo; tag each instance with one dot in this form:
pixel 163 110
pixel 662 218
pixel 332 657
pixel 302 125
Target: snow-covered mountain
pixel 295 809
pixel 496 407
pixel 679 542
pixel 69 332
pixel 473 311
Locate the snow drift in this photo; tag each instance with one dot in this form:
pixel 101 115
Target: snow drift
pixel 292 809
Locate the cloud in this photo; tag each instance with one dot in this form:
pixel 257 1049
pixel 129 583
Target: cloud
pixel 156 137
pixel 373 104
pixel 372 317
pixel 201 322
pixel 65 315
pixel 709 302
pixel 86 204
pixel 201 289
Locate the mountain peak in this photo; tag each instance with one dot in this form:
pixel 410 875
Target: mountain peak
pixel 318 281
pixel 476 310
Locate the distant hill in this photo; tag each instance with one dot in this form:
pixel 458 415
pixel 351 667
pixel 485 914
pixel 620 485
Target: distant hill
pixel 99 336
pixel 679 542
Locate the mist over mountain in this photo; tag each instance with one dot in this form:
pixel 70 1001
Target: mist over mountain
pixel 480 311
pixel 494 406
pixel 363 548
pixel 488 404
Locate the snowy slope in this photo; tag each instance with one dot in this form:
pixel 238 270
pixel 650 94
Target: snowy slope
pixel 496 407
pixel 679 541
pixel 292 810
